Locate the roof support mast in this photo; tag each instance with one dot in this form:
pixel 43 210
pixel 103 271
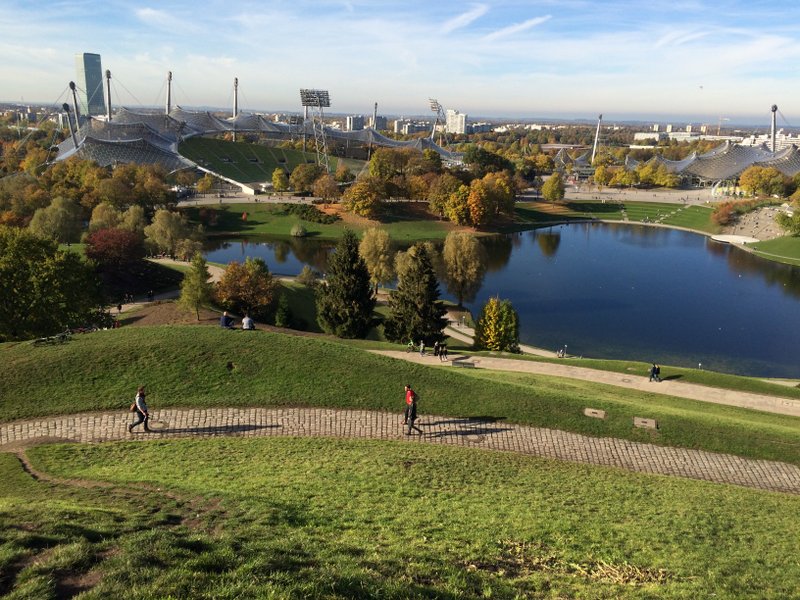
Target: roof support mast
pixel 596 137
pixel 774 130
pixel 108 88
pixel 75 104
pixel 235 104
pixel 65 106
pixel 169 91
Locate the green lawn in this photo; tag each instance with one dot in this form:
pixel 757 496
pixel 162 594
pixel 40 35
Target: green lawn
pixel 785 249
pixel 275 220
pixel 187 366
pixel 323 518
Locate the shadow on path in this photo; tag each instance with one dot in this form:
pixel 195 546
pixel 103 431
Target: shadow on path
pixel 162 427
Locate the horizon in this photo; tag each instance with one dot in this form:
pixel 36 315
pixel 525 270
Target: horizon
pixel 507 59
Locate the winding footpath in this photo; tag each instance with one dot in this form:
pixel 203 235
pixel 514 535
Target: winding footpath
pixel 354 424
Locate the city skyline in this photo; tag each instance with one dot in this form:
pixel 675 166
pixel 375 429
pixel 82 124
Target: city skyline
pixel 684 60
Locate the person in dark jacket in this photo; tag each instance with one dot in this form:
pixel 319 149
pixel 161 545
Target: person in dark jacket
pixel 412 416
pixel 140 408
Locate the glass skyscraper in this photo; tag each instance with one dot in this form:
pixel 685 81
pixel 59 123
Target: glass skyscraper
pixel 90 84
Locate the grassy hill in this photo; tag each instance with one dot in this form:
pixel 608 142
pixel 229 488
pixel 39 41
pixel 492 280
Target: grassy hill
pixel 187 366
pixel 339 519
pixel 248 163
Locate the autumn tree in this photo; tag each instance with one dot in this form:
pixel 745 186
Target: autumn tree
pixel 465 264
pixel 553 188
pixel 196 289
pixel 764 181
pixel 362 198
pixel 43 288
pixel 304 175
pixel 167 230
pixel 206 184
pixel 456 209
pixel 247 287
pixel 104 216
pixel 325 187
pixel 280 182
pixel 345 300
pixel 376 250
pixel 497 327
pixel 134 219
pixel 61 221
pixel 114 248
pixel 439 192
pixel 343 173
pixel 416 313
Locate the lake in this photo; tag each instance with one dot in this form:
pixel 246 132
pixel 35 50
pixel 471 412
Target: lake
pixel 620 291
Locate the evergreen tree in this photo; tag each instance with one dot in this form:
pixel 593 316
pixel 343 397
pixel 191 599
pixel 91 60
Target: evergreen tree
pixel 345 300
pixel 497 327
pixel 416 311
pixel 195 287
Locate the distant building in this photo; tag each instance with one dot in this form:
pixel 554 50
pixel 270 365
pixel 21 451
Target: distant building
pixel 355 123
pixel 379 123
pixel 90 84
pixel 407 126
pixel 456 121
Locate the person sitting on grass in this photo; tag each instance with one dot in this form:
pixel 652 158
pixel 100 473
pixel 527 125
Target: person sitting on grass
pixel 247 323
pixel 225 321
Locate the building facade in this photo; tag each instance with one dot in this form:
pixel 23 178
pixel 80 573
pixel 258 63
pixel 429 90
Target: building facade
pixel 456 121
pixel 90 84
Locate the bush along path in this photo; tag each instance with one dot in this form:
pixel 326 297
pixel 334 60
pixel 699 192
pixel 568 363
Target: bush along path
pixel 479 433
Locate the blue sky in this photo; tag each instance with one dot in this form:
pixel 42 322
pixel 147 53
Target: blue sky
pixel 682 59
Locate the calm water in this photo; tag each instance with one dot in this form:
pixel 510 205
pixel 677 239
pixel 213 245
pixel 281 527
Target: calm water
pixel 623 291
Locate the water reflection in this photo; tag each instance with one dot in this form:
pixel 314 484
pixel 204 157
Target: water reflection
pixel 548 242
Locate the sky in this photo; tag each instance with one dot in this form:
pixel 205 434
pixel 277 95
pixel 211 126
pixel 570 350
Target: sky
pixel 680 60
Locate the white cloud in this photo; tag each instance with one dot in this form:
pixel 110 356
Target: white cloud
pixel 512 29
pixel 464 19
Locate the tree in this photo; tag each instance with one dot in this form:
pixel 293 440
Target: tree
pixel 304 175
pixel 464 264
pixel 196 289
pixel 247 287
pixel 553 188
pixel 375 249
pixel 765 181
pixel 167 230
pixel 477 201
pixel 206 184
pixel 104 216
pixel 343 173
pixel 44 289
pixel 134 219
pixel 280 182
pixel 114 248
pixel 416 313
pixel 325 187
pixel 497 327
pixel 440 191
pixel 61 221
pixel 362 198
pixel 345 300
pixel 790 225
pixel 457 206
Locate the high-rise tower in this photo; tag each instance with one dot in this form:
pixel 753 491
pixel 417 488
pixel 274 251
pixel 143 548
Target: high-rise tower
pixel 90 84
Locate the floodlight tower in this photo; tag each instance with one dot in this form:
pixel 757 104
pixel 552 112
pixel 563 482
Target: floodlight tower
pixel 75 104
pixel 317 100
pixel 596 137
pixel 235 104
pixel 440 117
pixel 774 130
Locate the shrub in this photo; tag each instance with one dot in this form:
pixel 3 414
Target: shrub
pixel 309 213
pixel 308 277
pixel 298 230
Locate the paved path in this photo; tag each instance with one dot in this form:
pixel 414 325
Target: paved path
pixel 473 433
pixel 691 391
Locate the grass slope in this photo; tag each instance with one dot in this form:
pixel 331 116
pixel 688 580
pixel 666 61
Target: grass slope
pixel 186 366
pixel 314 518
pixel 784 249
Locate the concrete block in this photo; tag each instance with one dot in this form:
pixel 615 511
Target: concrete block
pixel 595 413
pixel 645 423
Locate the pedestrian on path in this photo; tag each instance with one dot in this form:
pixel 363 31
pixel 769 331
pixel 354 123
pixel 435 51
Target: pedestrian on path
pixel 412 416
pixel 410 395
pixel 442 352
pixel 140 408
pixel 422 347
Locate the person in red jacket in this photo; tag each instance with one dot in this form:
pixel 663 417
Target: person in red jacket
pixel 410 396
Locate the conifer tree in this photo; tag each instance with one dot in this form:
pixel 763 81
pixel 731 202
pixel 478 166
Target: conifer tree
pixel 345 300
pixel 195 287
pixel 416 311
pixel 497 327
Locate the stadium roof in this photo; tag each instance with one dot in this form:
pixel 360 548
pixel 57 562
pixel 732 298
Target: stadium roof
pixel 148 137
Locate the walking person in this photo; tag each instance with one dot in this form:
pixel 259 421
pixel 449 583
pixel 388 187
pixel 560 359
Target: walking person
pixel 412 416
pixel 653 372
pixel 410 395
pixel 422 347
pixel 140 408
pixel 442 352
pixel 436 348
